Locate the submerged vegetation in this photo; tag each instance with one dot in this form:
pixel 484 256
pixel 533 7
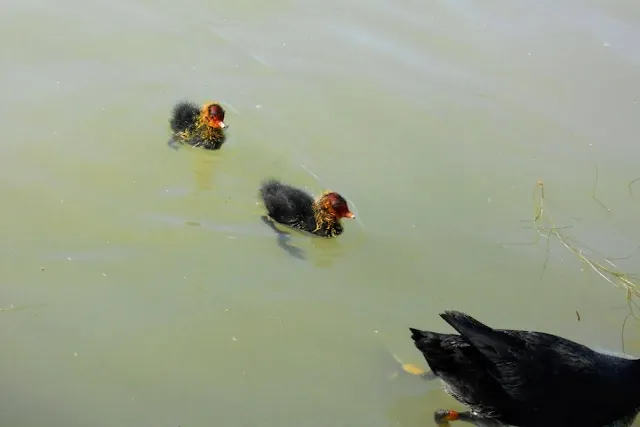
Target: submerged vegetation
pixel 601 265
pixel 604 267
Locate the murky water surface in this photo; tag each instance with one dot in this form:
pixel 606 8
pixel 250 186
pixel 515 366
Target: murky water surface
pixel 148 292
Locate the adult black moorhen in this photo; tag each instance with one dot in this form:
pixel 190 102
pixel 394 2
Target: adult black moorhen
pixel 528 379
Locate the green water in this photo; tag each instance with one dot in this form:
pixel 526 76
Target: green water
pixel 151 294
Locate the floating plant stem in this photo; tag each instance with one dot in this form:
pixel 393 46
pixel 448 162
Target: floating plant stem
pixel 606 269
pixel 593 194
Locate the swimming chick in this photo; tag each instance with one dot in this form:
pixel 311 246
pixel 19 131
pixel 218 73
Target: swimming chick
pixel 200 127
pixel 528 379
pixel 297 209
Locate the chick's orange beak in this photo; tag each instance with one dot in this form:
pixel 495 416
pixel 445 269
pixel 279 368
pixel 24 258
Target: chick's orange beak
pixel 349 215
pixel 222 125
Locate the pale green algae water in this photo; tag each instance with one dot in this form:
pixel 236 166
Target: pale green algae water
pixel 153 295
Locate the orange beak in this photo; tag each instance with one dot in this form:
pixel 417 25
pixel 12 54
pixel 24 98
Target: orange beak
pixel 452 416
pixel 349 215
pixel 443 416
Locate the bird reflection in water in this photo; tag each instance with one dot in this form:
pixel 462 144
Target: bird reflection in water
pixel 284 239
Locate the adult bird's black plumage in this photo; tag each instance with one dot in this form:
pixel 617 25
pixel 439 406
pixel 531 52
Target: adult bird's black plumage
pixel 529 379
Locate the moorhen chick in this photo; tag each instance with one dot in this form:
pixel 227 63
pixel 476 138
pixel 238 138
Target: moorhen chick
pixel 199 126
pixel 296 208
